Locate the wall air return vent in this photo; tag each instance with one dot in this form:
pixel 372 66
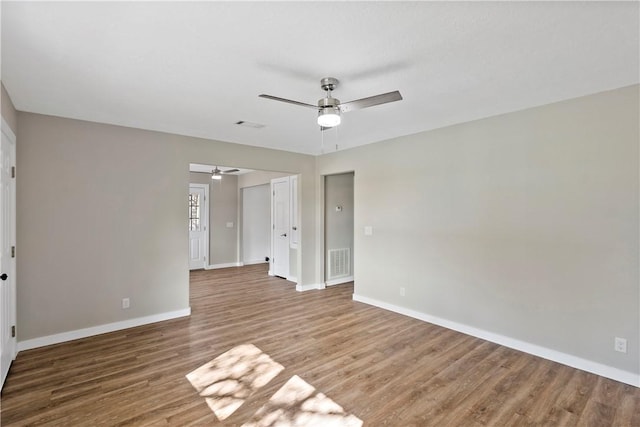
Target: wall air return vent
pixel 339 263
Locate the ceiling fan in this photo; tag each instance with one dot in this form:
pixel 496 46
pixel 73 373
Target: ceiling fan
pixel 217 173
pixel 329 108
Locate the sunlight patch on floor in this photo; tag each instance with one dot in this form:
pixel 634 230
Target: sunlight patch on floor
pixel 297 404
pixel 229 379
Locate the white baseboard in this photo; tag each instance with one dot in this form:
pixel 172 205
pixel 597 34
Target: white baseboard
pixel 227 265
pixel 534 349
pixel 260 261
pixel 311 287
pixel 339 281
pixel 100 329
pixel 292 279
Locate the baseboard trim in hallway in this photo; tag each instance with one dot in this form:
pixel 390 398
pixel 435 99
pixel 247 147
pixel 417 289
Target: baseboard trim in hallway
pixel 100 329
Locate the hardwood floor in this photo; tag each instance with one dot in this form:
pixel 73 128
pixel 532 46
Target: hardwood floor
pixel 381 367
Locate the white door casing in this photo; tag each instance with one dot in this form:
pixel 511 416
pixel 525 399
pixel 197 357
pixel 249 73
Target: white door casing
pixel 280 227
pixel 7 254
pixel 198 226
pixel 293 219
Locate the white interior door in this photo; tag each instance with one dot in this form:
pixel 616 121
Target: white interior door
pixel 198 225
pixel 280 227
pixel 7 248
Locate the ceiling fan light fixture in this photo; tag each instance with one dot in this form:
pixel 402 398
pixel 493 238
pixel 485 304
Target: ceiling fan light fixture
pixel 216 173
pixel 329 117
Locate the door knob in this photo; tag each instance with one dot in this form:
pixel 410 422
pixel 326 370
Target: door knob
pixel 282 235
pixel 4 276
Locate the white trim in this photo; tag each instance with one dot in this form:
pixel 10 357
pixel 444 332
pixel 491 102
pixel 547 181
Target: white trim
pixel 101 329
pixel 311 287
pixel 227 265
pixel 260 261
pixel 7 129
pixel 534 349
pixel 293 211
pixel 339 281
pixel 292 279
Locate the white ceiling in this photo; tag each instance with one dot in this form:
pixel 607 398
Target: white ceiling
pixel 197 68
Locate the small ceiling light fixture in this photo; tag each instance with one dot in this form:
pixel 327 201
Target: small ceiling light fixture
pixel 216 174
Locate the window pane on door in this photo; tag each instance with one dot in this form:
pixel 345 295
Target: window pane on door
pixel 194 212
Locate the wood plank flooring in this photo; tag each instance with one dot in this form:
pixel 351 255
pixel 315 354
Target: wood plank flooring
pixel 383 368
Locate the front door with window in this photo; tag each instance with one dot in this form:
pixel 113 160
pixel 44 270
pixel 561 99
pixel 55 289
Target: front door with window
pixel 198 226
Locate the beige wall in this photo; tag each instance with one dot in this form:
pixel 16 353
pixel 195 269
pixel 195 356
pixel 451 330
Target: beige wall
pixel 258 178
pixel 9 112
pixel 101 217
pixel 523 225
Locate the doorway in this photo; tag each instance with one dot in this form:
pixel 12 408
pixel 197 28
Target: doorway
pixel 339 228
pixel 256 230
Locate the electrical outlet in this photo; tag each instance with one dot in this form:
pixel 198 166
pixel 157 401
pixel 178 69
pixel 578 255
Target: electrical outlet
pixel 125 303
pixel 402 293
pixel 620 344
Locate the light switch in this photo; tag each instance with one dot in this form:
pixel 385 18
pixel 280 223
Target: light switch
pixel 229 225
pixel 368 230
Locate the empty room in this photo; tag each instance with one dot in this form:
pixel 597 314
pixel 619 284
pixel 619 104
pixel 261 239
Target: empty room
pixel 320 213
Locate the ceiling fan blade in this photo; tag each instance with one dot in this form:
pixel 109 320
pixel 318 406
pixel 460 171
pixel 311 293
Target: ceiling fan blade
pixel 359 104
pixel 230 171
pixel 288 101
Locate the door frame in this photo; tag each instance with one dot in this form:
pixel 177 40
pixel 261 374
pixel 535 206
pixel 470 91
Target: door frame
pixel 204 220
pixel 322 231
pixel 11 351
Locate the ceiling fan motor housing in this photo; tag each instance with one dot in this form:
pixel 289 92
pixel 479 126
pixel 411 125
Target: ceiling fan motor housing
pixel 328 103
pixel 329 83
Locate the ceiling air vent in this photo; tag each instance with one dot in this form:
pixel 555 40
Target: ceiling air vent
pixel 250 124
